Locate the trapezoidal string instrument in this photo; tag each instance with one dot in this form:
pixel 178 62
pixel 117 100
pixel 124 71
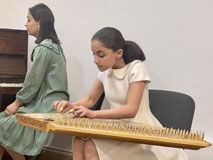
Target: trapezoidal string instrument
pixel 120 130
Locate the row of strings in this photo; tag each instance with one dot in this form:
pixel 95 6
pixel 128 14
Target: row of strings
pixel 122 126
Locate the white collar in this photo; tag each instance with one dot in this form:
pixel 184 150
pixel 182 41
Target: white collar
pixel 121 72
pixel 118 73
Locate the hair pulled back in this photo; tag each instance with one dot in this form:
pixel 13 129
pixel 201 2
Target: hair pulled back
pixel 112 39
pixel 42 13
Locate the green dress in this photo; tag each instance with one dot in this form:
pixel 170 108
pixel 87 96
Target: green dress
pixel 45 83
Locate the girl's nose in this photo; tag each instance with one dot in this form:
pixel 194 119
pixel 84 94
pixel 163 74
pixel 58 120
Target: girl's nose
pixel 95 59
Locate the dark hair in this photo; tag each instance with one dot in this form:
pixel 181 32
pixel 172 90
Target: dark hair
pixel 44 15
pixel 112 38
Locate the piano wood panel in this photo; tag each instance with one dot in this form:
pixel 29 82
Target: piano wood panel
pixel 13 41
pixel 13 64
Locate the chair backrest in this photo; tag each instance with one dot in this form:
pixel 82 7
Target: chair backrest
pixel 98 105
pixel 172 109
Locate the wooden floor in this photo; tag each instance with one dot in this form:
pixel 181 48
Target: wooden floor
pixel 47 154
pixel 60 154
pixel 57 154
pixel 54 154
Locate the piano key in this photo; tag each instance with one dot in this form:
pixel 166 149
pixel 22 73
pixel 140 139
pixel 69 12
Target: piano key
pixel 4 85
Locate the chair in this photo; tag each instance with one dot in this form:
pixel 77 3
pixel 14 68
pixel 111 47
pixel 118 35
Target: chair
pixel 172 109
pixel 99 103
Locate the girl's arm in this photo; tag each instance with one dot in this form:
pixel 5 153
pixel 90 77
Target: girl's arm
pixel 89 101
pixel 35 76
pixel 93 95
pixel 129 110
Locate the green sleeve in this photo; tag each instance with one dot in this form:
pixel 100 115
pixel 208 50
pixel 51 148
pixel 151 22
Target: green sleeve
pixel 35 76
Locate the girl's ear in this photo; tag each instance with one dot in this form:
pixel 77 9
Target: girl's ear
pixel 119 53
pixel 38 25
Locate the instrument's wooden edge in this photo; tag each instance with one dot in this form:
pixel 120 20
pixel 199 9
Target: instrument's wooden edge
pixel 30 122
pixel 47 126
pixel 145 139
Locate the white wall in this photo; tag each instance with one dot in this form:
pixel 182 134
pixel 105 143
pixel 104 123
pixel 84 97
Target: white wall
pixel 176 36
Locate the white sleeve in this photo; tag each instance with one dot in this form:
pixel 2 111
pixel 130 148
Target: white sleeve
pixel 138 72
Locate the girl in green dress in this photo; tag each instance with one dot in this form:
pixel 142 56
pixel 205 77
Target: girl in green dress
pixel 44 83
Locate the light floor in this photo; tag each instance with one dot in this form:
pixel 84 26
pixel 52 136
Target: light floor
pixel 202 154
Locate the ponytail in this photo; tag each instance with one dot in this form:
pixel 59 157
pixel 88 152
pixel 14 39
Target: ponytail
pixel 132 52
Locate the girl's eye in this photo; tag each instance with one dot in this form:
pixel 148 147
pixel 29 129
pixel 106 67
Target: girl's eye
pixel 101 56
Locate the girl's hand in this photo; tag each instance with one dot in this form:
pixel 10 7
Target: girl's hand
pixel 62 106
pixel 81 111
pixel 12 108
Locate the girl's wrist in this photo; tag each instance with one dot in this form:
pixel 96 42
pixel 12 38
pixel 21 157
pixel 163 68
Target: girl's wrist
pixel 94 114
pixel 17 103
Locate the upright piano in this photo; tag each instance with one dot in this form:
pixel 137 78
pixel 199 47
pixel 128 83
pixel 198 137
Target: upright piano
pixel 13 63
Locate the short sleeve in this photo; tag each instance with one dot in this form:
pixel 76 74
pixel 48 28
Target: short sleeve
pixel 138 72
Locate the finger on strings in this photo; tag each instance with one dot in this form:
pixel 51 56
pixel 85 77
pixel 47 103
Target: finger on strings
pixel 65 109
pixel 79 112
pixel 55 104
pixel 60 107
pixel 70 111
pixel 82 114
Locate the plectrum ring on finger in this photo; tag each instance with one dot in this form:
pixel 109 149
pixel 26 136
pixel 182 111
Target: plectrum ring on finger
pixel 61 109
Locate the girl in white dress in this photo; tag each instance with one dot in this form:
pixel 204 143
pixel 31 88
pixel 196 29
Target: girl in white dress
pixel 124 80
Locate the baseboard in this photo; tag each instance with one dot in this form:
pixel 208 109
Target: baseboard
pixel 53 153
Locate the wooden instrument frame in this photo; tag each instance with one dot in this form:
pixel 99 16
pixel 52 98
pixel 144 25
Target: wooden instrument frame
pixel 47 125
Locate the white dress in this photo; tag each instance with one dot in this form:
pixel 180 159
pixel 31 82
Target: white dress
pixel 116 84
